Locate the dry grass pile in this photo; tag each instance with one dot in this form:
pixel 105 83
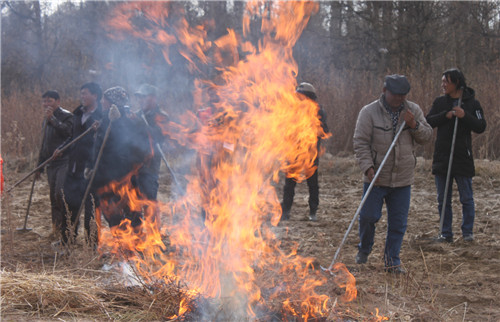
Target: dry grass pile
pixel 58 295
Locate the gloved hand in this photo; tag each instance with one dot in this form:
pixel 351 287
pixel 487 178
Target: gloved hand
pixel 87 173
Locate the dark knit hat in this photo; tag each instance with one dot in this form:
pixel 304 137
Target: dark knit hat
pixel 397 84
pixel 116 95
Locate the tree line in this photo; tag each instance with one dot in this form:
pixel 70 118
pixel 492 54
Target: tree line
pixel 345 51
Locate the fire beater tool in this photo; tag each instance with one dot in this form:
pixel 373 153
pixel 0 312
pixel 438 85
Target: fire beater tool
pixel 158 147
pixel 448 173
pixel 24 229
pixel 363 200
pixel 78 138
pixel 113 114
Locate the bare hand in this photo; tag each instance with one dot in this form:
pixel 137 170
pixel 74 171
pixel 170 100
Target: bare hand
pixel 458 112
pixel 57 154
pixel 49 111
pixel 370 173
pixel 410 119
pixel 37 175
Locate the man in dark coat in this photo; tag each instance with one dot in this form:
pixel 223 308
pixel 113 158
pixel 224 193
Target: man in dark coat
pixel 124 151
pixel 155 120
pixel 470 116
pixel 312 182
pixel 84 117
pixel 57 125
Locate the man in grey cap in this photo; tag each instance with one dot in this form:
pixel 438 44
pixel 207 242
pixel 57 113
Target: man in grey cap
pixel 157 122
pixel 376 128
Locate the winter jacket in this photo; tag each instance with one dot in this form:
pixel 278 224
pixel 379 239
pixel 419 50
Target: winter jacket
pixel 81 151
pixel 57 131
pixel 155 121
pixel 126 148
pixel 373 136
pixel 473 121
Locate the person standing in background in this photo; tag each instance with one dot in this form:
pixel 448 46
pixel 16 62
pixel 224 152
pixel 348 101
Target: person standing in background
pixel 57 125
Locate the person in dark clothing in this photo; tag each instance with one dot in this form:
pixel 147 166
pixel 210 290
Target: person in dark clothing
pixel 312 182
pixel 84 116
pixel 470 119
pixel 124 151
pixel 155 120
pixel 57 125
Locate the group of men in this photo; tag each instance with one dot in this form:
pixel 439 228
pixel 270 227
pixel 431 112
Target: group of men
pixel 100 142
pixel 388 128
pixel 376 138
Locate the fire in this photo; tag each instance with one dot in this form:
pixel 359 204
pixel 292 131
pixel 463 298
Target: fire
pixel 222 243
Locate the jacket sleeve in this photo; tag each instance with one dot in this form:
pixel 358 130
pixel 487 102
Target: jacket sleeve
pixel 424 132
pixel 63 123
pixel 362 140
pixel 475 121
pixel 436 117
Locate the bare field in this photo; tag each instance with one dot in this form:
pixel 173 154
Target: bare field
pixel 445 282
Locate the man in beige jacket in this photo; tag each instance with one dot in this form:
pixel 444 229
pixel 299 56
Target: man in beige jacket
pixel 376 128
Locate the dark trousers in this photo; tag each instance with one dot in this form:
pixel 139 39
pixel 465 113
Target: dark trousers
pixel 56 176
pixel 289 193
pixel 74 189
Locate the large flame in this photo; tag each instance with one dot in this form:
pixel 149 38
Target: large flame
pixel 220 233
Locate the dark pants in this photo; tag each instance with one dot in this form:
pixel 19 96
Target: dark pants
pixel 464 185
pixel 289 193
pixel 74 189
pixel 56 176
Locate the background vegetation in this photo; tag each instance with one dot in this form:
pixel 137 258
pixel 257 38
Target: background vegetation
pixel 345 51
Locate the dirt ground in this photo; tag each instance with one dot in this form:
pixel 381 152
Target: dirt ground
pixel 445 282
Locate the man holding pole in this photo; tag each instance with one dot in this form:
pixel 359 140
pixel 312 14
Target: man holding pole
pixel 80 153
pixel 376 129
pixel 155 120
pixel 455 114
pixel 57 126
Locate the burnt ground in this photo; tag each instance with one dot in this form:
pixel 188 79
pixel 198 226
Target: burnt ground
pixel 445 282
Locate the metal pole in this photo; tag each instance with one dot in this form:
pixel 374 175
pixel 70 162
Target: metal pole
pixel 162 155
pixel 28 208
pixel 363 200
pixel 53 157
pixel 448 173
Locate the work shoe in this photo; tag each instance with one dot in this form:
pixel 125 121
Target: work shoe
pixel 469 238
pixel 312 216
pixel 395 270
pixel 444 239
pixel 361 258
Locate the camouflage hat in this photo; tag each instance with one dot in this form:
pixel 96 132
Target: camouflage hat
pixel 116 95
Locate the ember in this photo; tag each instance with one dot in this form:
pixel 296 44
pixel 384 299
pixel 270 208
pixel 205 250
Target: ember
pixel 221 235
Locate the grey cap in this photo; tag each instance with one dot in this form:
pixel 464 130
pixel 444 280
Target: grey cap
pixel 306 88
pixel 146 90
pixel 397 84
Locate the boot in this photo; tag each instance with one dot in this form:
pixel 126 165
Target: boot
pixel 312 215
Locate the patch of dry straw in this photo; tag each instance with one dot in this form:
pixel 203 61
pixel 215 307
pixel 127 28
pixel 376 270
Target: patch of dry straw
pixel 47 295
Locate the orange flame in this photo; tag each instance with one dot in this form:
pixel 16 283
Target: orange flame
pixel 257 127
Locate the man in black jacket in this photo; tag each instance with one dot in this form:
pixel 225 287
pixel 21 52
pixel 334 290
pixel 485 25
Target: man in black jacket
pixel 470 116
pixel 309 91
pixel 80 153
pixel 57 124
